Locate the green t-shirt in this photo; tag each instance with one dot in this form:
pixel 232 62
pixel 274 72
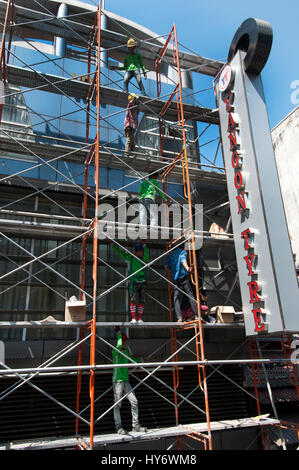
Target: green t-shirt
pixel 133 62
pixel 121 374
pixel 135 264
pixel 149 189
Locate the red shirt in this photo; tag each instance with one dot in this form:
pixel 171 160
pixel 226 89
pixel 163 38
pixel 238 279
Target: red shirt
pixel 131 118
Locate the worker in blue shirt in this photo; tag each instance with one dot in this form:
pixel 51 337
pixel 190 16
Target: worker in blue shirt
pixel 177 265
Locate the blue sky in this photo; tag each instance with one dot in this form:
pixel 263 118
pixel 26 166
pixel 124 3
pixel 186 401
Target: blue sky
pixel 207 27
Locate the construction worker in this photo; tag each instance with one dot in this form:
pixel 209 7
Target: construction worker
pixel 204 308
pixel 148 191
pixel 177 265
pixel 132 65
pixel 121 385
pixel 138 281
pixel 131 122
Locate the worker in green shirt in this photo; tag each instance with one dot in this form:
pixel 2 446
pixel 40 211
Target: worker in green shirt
pixel 121 385
pixel 132 65
pixel 148 191
pixel 138 281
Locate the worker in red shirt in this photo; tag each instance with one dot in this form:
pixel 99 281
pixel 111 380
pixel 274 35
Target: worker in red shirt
pixel 131 122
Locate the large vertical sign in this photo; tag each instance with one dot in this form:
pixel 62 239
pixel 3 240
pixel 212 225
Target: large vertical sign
pixel 268 283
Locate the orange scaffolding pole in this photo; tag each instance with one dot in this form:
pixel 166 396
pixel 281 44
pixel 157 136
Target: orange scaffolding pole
pixel 84 240
pixel 289 426
pixel 287 350
pixel 95 233
pixel 183 159
pixel 256 380
pixel 94 151
pixel 159 89
pixel 82 281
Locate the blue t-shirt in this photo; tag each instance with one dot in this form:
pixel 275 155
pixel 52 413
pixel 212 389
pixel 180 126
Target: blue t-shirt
pixel 174 262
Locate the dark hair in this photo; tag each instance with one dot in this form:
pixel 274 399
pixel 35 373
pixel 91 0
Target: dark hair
pixel 178 243
pixel 156 174
pixel 138 247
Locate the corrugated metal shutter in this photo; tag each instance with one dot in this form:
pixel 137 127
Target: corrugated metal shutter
pixel 27 414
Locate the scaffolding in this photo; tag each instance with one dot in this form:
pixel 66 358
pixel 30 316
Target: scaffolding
pixel 89 87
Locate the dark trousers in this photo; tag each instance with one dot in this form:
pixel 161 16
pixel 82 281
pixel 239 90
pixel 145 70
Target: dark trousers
pixel 130 142
pixel 129 75
pixel 185 286
pixel 138 293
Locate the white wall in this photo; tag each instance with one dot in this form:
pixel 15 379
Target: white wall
pixel 285 138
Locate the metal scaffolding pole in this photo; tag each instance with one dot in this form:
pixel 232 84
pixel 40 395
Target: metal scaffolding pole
pixel 93 226
pixel 158 365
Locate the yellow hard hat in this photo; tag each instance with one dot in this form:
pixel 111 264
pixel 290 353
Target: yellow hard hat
pixel 131 43
pixel 132 96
